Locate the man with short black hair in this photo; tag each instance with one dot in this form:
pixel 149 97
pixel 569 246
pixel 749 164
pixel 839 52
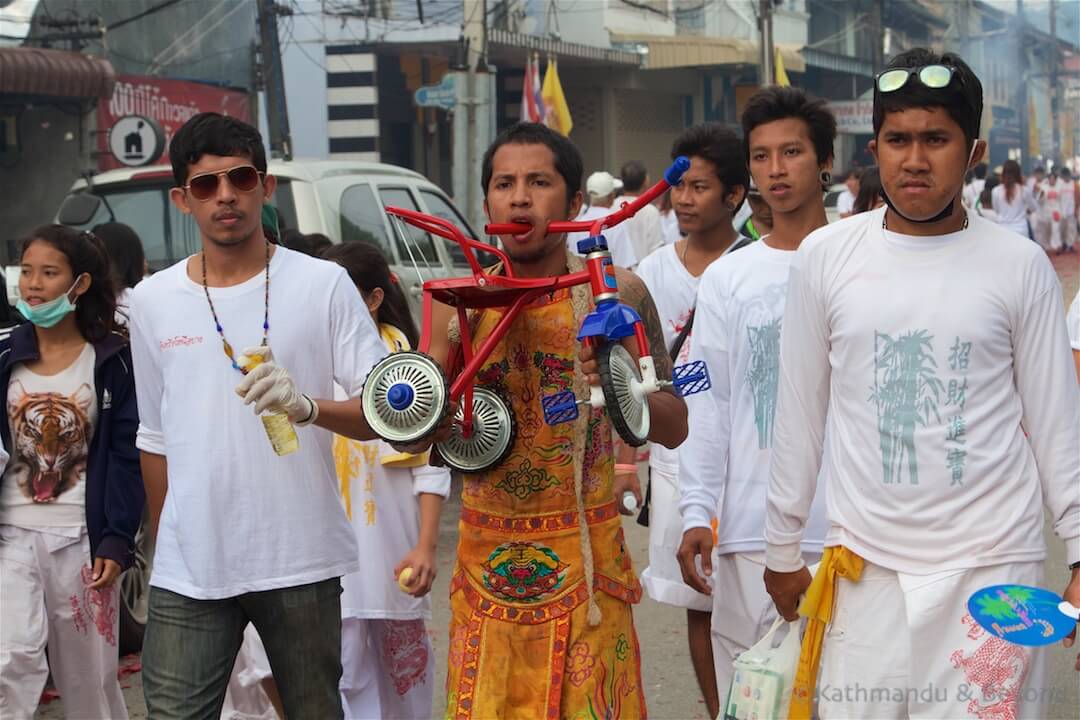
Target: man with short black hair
pixel 708 197
pixel 644 229
pixel 845 201
pixel 541 623
pixel 740 312
pixel 243 533
pixel 924 365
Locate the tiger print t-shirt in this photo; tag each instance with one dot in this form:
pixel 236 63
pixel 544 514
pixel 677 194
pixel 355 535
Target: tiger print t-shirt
pixel 52 422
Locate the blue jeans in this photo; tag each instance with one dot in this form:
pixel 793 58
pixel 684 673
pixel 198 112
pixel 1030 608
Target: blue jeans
pixel 191 645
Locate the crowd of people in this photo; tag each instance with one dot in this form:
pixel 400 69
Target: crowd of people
pixel 895 398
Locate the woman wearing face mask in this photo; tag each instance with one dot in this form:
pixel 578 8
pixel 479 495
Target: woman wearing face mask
pixel 71 497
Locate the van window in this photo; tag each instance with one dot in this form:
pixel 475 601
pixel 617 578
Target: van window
pixel 362 219
pixel 285 203
pixel 438 206
pixel 148 211
pixel 422 246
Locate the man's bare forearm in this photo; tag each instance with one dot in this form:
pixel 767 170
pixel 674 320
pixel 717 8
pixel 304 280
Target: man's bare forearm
pixel 155 475
pixel 667 419
pixel 344 417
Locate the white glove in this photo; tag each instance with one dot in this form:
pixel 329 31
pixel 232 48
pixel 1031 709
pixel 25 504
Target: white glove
pixel 271 388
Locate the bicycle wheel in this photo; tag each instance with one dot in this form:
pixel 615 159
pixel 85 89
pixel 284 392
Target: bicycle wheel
pixel 492 437
pixel 627 405
pixel 405 397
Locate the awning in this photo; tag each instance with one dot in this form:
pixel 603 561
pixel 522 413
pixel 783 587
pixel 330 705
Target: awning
pixel 54 73
pixel 502 42
pixel 838 63
pixel 694 51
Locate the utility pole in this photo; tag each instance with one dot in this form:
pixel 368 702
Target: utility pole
pixel 765 26
pixel 474 113
pixel 1055 91
pixel 277 114
pixel 878 29
pixel 1022 100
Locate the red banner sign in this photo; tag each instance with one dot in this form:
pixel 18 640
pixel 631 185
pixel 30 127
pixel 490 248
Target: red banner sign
pixel 170 102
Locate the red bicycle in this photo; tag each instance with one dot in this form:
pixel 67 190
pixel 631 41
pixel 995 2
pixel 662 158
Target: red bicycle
pixel 407 394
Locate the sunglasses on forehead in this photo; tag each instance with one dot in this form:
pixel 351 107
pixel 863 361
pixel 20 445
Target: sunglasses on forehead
pixel 244 178
pixel 935 77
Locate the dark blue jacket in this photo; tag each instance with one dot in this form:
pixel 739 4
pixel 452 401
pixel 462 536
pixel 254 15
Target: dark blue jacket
pixel 114 489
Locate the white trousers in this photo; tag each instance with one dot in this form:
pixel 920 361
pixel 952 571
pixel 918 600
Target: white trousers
pixel 45 604
pixel 904 646
pixel 388 669
pixel 388 672
pixel 1068 231
pixel 245 698
pixel 742 611
pixel 662 579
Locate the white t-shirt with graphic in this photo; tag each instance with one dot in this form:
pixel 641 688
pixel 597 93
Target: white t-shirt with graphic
pixel 52 421
pixel 725 460
pixel 926 358
pixel 237 517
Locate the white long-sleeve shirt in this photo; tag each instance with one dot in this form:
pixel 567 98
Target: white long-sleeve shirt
pixel 238 518
pixel 923 356
pixel 724 471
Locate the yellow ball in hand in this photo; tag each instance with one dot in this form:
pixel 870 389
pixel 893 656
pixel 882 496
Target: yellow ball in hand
pixel 403 579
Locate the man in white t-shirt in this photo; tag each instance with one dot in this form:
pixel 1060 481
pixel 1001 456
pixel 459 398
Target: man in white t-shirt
pixel 740 313
pixel 920 342
pixel 644 229
pixel 244 534
pixel 710 193
pixel 845 201
pixel 600 188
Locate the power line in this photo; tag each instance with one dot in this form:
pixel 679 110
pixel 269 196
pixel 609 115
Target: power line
pixel 145 13
pixel 101 32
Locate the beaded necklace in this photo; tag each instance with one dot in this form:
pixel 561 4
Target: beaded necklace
pixel 217 323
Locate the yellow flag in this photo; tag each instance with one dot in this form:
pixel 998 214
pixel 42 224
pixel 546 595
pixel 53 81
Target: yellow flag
pixel 558 113
pixel 781 73
pixel 1033 131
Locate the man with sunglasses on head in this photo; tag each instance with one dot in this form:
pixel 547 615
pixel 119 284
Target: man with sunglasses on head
pixel 920 342
pixel 246 532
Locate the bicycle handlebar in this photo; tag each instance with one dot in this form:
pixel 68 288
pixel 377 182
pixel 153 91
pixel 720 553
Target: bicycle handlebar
pixel 672 176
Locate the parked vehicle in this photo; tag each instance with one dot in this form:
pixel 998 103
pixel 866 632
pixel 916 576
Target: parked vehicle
pixel 343 200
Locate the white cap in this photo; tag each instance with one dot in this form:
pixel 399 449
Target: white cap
pixel 600 184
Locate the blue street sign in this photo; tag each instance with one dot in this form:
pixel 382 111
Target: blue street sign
pixel 442 95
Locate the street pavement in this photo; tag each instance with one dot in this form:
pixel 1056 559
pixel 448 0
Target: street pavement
pixel 670 689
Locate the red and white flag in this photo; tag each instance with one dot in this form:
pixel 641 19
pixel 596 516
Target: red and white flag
pixel 532 102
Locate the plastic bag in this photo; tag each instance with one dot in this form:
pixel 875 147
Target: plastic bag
pixel 764 675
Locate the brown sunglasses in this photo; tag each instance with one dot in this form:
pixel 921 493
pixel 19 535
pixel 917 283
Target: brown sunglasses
pixel 244 178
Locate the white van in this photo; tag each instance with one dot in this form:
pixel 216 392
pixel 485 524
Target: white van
pixel 341 199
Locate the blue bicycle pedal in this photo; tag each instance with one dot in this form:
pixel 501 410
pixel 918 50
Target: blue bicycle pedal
pixel 560 408
pixel 691 378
